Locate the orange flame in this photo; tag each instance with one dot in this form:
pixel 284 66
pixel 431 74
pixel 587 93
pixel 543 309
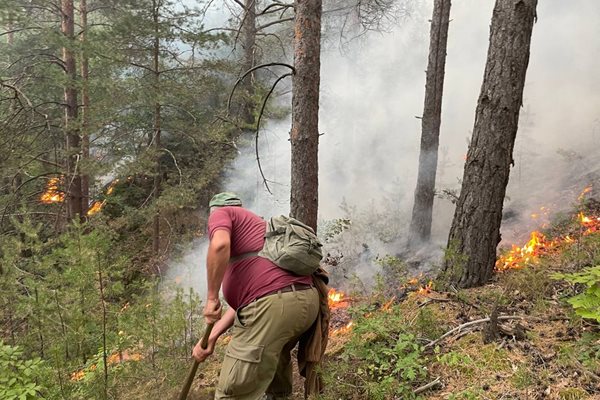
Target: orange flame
pixel 386 306
pixel 425 289
pixel 538 244
pixel 98 205
pixel 344 329
pixel 119 357
pixel 52 193
pixel 336 299
pixel 585 191
pixel 591 224
pixel 413 281
pixel 115 358
pixel 518 257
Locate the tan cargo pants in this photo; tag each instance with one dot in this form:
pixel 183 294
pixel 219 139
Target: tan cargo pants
pixel 257 359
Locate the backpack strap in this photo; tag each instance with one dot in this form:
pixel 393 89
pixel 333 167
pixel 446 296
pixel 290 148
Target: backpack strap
pixel 242 256
pixel 278 231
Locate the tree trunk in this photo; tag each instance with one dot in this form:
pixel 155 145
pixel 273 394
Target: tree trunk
pixel 249 29
pixel 475 231
pixel 420 225
pixel 10 36
pixel 157 129
pixel 85 104
pixel 73 179
pixel 304 135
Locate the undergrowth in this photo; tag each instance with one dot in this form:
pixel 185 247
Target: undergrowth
pixel 383 358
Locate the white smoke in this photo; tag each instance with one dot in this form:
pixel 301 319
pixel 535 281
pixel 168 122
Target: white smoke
pixel 372 91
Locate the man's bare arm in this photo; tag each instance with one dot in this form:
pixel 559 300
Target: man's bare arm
pixel 217 260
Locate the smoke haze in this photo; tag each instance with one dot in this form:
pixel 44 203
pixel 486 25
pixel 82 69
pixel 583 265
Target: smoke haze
pixel 371 93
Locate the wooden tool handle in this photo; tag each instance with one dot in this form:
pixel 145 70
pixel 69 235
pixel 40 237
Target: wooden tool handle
pixel 190 378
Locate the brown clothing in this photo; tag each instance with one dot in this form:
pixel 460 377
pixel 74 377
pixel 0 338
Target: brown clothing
pixel 314 341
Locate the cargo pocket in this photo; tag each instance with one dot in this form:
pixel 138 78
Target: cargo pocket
pixel 240 369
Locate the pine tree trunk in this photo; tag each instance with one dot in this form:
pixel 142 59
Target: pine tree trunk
pixel 249 30
pixel 420 225
pixel 10 36
pixel 73 179
pixel 157 130
pixel 85 110
pixel 475 231
pixel 304 135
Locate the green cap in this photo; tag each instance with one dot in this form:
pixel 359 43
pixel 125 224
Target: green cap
pixel 225 199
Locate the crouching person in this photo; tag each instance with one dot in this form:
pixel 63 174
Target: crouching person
pixel 269 307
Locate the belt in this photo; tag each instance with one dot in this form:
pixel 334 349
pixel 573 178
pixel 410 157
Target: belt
pixel 290 288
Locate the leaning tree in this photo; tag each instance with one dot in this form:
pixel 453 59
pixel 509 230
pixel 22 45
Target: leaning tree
pixel 475 231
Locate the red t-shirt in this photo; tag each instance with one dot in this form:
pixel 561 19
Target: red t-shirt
pixel 250 278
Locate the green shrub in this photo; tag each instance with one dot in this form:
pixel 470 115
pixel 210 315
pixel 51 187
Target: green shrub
pixel 386 357
pixel 587 303
pixel 18 377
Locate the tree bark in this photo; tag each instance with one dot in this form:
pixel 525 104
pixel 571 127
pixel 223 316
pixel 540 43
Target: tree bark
pixel 156 127
pixel 85 109
pixel 475 231
pixel 304 135
pixel 420 226
pixel 249 29
pixel 73 178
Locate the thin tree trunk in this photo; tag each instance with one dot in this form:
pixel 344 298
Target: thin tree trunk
pixel 420 225
pixel 10 36
pixel 304 136
pixel 39 322
pixel 73 179
pixel 249 29
pixel 475 231
pixel 62 325
pixel 104 325
pixel 81 348
pixel 85 109
pixel 157 129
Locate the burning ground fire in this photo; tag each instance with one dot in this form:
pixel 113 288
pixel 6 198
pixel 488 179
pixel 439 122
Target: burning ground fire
pixel 517 257
pixel 539 244
pixel 339 302
pixel 53 195
pixel 115 358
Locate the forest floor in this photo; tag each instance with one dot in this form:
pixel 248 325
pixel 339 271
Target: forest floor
pixel 518 339
pixel 543 354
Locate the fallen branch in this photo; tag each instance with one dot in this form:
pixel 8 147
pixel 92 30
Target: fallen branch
pixel 471 323
pixel 433 299
pixel 428 386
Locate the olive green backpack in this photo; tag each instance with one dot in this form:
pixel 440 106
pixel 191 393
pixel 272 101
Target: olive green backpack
pixel 289 244
pixel 292 245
